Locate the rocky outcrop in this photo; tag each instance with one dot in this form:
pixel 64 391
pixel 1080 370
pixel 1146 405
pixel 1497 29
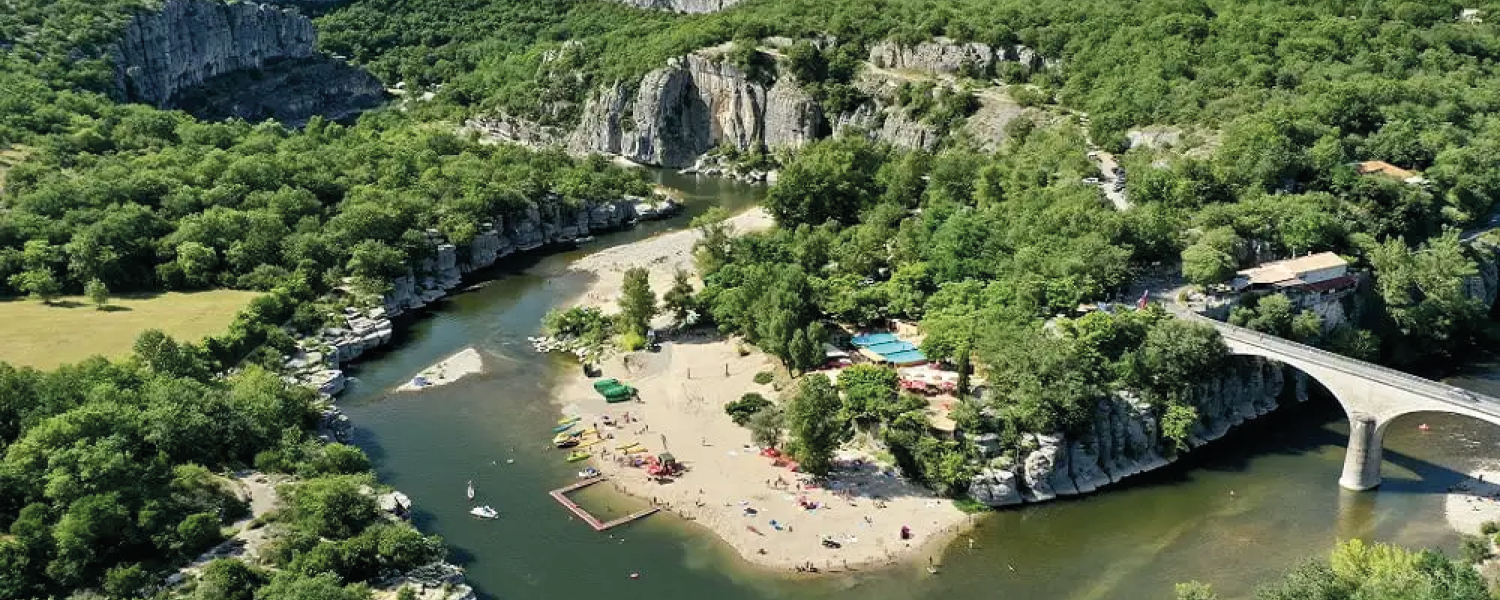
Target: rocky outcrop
pixel 691 106
pixel 1484 286
pixel 682 6
pixel 188 42
pixel 792 118
pixel 436 581
pixel 674 115
pixel 677 113
pixel 947 57
pixel 1125 439
pixel 196 51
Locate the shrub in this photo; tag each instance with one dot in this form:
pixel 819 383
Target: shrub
pixel 1489 528
pixel 764 377
pixel 631 341
pixel 1475 549
pixel 270 461
pixel 741 410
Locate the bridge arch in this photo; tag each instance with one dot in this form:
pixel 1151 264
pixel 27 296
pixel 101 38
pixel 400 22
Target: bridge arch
pixel 1372 396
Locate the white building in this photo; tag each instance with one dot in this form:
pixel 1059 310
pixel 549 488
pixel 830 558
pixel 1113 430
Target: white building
pixel 1324 271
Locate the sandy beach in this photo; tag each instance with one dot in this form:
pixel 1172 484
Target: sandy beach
pixel 662 255
pixel 451 369
pixel 1473 501
pixel 772 516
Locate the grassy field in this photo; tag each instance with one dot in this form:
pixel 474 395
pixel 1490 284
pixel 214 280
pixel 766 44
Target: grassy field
pixel 41 336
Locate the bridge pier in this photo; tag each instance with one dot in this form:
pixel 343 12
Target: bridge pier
pixel 1362 458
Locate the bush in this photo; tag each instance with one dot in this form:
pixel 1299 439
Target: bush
pixel 1475 549
pixel 764 377
pixel 741 410
pixel 631 341
pixel 335 459
pixel 270 461
pixel 1489 528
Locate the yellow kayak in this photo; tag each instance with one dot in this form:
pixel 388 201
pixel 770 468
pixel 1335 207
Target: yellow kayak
pixel 627 446
pixel 636 450
pixel 568 420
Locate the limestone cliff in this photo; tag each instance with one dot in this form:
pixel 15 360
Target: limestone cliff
pixel 682 6
pixel 948 57
pixel 201 54
pixel 675 114
pixel 1125 439
pixel 689 107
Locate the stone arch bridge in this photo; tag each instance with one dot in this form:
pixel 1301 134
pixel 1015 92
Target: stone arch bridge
pixel 1372 395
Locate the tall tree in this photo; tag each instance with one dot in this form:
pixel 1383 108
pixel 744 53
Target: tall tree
pixel 679 298
pixel 41 284
pixel 814 424
pixel 637 302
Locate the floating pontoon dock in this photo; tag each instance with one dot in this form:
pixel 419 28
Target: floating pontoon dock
pixel 561 495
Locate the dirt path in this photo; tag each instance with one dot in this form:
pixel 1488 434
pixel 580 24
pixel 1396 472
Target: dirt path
pixel 260 491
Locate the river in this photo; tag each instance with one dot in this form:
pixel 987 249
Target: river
pixel 1249 507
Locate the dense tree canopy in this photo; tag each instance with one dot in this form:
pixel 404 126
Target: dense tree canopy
pixel 1356 569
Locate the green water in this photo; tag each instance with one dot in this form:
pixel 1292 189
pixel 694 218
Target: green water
pixel 1131 542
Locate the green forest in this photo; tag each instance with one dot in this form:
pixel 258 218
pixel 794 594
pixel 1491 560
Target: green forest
pixel 108 477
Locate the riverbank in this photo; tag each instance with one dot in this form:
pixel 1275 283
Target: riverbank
pixel 773 517
pixel 1473 501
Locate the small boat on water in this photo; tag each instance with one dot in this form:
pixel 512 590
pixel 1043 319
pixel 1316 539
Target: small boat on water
pixel 470 491
pixel 484 512
pixel 588 473
pixel 565 440
pixel 577 455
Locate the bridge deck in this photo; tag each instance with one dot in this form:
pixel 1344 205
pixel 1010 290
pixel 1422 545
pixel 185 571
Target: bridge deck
pixel 1427 388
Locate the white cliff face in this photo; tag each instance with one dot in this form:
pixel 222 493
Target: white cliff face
pixel 220 60
pixel 1125 439
pixel 682 6
pixel 678 113
pixel 188 42
pixel 691 106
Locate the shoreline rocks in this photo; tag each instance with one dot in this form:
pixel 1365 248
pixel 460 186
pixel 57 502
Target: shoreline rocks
pixel 1125 438
pixel 319 361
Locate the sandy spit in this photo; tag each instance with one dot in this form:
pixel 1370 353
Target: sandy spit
pixel 466 362
pixel 729 487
